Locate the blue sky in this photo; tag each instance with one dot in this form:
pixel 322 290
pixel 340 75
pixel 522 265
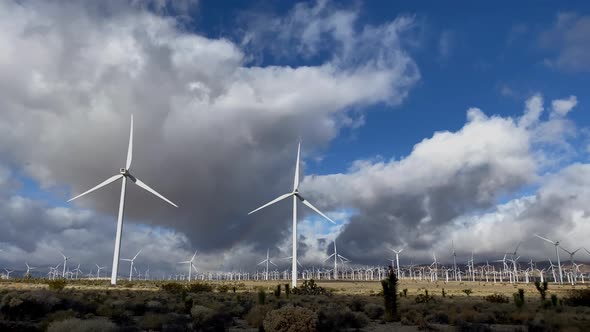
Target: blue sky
pixel 222 91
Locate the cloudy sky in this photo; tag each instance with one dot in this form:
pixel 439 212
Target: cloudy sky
pixel 421 125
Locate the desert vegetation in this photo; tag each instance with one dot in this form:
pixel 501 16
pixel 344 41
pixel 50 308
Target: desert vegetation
pixel 88 305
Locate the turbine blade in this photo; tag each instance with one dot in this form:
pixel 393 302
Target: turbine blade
pixel 126 259
pixel 134 257
pixel 102 184
pixel 146 187
pixel 343 257
pixel 185 262
pixel 194 256
pixel 273 263
pixel 130 150
pixel 296 180
pixel 264 261
pixel 542 238
pixel 314 208
pixel 332 255
pixel 280 198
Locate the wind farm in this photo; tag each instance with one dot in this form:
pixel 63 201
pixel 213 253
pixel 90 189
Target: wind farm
pixel 303 165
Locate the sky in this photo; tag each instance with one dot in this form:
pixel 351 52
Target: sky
pixel 421 124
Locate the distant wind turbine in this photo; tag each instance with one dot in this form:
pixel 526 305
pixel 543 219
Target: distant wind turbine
pixel 63 273
pixel 556 244
pixel 267 261
pixel 296 195
pixel 190 265
pixel 132 260
pixel 124 174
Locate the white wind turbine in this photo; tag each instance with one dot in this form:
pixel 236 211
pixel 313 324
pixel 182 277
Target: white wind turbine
pixel 190 265
pixel 63 273
pixel 397 252
pixel 98 270
pixel 454 260
pixel 123 174
pixel 8 272
pixel 337 256
pixel 556 244
pixel 29 268
pixel 132 260
pixel 296 195
pixel 572 253
pixel 267 261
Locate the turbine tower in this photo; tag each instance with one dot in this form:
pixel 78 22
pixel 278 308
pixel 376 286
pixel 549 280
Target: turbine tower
pixel 190 265
pixel 337 256
pixel 132 260
pixel 296 195
pixel 397 252
pixel 63 273
pixel 124 174
pixel 267 261
pixel 556 244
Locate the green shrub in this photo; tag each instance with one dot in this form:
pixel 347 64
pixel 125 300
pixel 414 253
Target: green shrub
pixel 519 298
pixel 287 290
pixel 278 291
pixel 405 290
pixel 79 325
pixel 390 297
pixel 467 291
pixel 290 319
pixel 554 300
pixel 444 294
pixel 309 287
pixel 542 288
pixel 57 284
pixel 261 297
pixel 497 298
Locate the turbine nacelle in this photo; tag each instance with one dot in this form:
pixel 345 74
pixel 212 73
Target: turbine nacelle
pixel 124 171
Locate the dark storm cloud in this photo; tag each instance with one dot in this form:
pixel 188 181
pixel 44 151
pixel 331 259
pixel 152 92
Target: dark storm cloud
pixel 211 134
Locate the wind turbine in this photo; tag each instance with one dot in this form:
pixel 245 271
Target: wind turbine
pixel 337 256
pixel 556 244
pixel 123 174
pixel 8 272
pixel 572 253
pixel 296 195
pixel 397 252
pixel 454 260
pixel 98 271
pixel 29 268
pixel 63 273
pixel 267 261
pixel 132 260
pixel 190 265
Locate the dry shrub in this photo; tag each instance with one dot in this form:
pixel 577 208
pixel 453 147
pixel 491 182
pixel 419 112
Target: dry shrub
pixel 290 319
pixel 255 317
pixel 79 325
pixel 374 311
pixel 205 319
pixel 578 297
pixel 497 298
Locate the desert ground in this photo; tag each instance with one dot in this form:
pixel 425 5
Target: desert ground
pixel 89 305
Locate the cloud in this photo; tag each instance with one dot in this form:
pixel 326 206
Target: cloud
pixel 449 181
pixel 213 133
pixel 569 40
pixel 445 45
pixel 561 107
